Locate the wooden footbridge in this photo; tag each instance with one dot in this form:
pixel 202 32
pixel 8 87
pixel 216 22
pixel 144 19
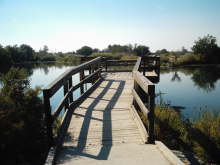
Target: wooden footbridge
pixel 103 126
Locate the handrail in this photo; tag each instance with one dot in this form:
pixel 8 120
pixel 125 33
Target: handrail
pixel 137 65
pixel 72 89
pixel 65 80
pixel 141 82
pixel 56 84
pixel 107 63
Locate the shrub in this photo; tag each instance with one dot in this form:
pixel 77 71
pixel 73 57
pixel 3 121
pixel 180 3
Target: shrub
pixel 107 55
pixel 22 133
pixel 206 134
pixel 170 128
pixel 129 57
pixel 201 135
pixel 48 57
pixel 164 59
pixel 187 59
pixel 68 59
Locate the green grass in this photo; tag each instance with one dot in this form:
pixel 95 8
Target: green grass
pixel 129 57
pixel 115 56
pixel 111 56
pixel 200 135
pixel 68 59
pixel 205 128
pixel 170 128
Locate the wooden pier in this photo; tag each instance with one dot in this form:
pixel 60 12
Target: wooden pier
pixel 103 125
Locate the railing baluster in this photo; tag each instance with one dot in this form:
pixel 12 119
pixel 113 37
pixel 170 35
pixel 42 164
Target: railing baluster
pixel 64 80
pixel 151 102
pixel 81 78
pixel 48 117
pixel 106 65
pixel 142 83
pixel 92 71
pixel 65 91
pixel 136 88
pixel 99 65
pixel 70 85
pixel 144 66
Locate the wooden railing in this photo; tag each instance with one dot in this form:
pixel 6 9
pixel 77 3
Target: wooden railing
pixel 144 87
pixel 125 63
pixel 67 102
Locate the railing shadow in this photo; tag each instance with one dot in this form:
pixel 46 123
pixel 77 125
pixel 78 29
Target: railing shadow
pixel 107 139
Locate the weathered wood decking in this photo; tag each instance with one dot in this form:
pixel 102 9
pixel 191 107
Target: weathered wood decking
pixel 103 128
pixel 104 118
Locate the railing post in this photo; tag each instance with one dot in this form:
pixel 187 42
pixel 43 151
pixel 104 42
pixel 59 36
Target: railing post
pixel 106 65
pixel 70 86
pixel 96 68
pixel 92 71
pixel 48 117
pixel 65 91
pixel 151 102
pixel 136 88
pixel 81 78
pixel 99 65
pixel 144 66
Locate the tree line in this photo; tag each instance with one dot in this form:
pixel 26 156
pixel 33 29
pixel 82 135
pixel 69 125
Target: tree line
pixel 205 50
pixel 25 53
pixel 20 105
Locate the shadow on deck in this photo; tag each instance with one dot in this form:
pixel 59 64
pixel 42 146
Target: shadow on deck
pixel 107 140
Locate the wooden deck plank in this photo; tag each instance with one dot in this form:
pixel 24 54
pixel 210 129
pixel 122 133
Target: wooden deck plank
pixel 104 118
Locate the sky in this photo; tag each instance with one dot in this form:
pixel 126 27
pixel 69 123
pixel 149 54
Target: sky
pixel 67 25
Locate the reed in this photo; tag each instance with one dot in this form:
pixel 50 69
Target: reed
pixel 205 128
pixel 201 134
pixel 170 128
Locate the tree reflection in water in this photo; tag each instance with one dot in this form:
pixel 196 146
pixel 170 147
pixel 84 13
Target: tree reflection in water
pixel 176 77
pixel 204 77
pixel 31 66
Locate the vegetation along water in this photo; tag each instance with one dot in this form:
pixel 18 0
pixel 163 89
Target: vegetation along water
pixel 187 114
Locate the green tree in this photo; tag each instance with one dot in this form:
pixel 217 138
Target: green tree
pixel 4 57
pixel 207 50
pixel 96 50
pixel 157 52
pixel 130 48
pixel 164 59
pixel 27 52
pixel 141 50
pixel 22 133
pixel 85 50
pixel 59 54
pixel 117 49
pixel 164 51
pixel 13 53
pixel 48 57
pixel 43 53
pixel 184 50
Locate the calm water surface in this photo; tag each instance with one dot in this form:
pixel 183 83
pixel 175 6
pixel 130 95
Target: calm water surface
pixel 42 74
pixel 184 88
pixel 188 88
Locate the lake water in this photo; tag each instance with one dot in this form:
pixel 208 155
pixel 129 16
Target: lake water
pixel 42 74
pixel 184 88
pixel 188 88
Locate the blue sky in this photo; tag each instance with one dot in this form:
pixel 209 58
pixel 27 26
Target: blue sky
pixel 67 25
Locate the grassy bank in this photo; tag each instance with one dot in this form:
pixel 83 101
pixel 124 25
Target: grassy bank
pixel 201 134
pixel 115 56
